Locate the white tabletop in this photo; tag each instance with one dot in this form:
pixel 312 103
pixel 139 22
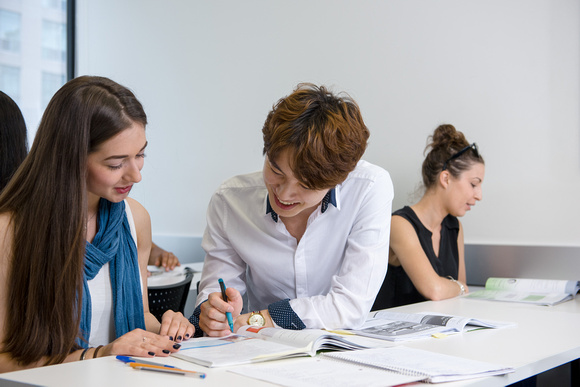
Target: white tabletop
pixel 545 337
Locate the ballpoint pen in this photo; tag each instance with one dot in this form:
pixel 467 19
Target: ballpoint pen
pixel 128 359
pixel 159 368
pixel 228 314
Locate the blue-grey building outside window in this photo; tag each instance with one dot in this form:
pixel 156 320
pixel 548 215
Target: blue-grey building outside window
pixel 36 53
pixel 9 31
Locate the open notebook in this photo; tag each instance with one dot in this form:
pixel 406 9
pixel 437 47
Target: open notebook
pixel 428 366
pixel 378 367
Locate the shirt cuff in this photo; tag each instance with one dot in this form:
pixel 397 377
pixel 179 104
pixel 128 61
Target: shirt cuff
pixel 284 316
pixel 194 319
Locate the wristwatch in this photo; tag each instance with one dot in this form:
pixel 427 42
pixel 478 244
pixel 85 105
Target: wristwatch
pixel 256 319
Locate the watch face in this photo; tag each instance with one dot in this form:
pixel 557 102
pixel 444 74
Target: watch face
pixel 257 319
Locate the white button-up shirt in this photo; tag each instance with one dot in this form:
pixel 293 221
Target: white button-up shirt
pixel 331 277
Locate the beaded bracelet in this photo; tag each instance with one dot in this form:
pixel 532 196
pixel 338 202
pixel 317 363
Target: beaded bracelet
pixel 84 353
pixel 96 351
pixel 461 287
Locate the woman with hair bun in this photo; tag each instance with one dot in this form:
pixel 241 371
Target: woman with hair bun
pixel 426 254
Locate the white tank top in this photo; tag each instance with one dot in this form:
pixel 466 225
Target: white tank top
pixel 103 321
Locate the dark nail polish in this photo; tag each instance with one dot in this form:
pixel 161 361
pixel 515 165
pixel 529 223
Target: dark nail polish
pixel 187 335
pixel 176 346
pixel 166 351
pixel 178 337
pixel 171 338
pixel 151 353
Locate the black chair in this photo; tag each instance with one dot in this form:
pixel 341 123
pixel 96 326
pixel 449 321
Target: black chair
pixel 165 297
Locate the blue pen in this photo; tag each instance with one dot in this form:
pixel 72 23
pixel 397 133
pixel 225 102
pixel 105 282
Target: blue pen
pixel 228 314
pixel 127 359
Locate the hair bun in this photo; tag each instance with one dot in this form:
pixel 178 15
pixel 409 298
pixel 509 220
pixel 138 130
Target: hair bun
pixel 442 145
pixel 447 137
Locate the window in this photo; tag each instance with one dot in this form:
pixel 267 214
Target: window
pixel 50 84
pixel 10 82
pixel 9 31
pixel 36 53
pixel 53 41
pixel 55 4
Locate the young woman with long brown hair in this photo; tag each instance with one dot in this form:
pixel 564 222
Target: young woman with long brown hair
pixel 73 246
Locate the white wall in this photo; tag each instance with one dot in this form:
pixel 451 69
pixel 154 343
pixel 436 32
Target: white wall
pixel 505 72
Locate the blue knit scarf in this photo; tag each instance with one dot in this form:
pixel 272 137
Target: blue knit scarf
pixel 114 243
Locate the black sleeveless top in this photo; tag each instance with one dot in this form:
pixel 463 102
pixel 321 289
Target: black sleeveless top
pixel 398 289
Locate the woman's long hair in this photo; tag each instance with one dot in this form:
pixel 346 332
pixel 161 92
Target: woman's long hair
pixel 13 141
pixel 47 201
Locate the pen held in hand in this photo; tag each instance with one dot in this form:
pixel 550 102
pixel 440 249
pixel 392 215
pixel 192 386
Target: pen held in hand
pixel 225 298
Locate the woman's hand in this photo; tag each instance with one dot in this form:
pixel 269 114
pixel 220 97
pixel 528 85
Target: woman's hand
pixel 176 326
pixel 140 343
pixel 212 319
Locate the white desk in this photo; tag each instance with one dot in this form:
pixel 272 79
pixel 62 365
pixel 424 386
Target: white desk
pixel 545 337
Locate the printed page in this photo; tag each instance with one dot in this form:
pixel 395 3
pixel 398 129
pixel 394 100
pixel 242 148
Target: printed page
pixel 525 285
pixel 296 338
pixel 397 330
pixel 434 367
pixel 256 344
pixel 322 372
pixel 388 315
pixel 234 349
pixel 452 322
pixel 527 297
pixel 529 291
pixel 316 339
pixel 457 323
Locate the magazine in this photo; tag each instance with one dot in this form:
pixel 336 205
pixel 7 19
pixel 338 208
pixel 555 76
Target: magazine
pixel 530 291
pixel 256 344
pixel 395 326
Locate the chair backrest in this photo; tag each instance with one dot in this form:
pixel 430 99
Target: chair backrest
pixel 165 297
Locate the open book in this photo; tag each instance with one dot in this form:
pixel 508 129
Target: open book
pixel 428 366
pixel 255 344
pixel 394 326
pixel 531 291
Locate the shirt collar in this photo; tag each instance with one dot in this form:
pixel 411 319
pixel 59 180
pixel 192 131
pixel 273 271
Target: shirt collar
pixel 329 198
